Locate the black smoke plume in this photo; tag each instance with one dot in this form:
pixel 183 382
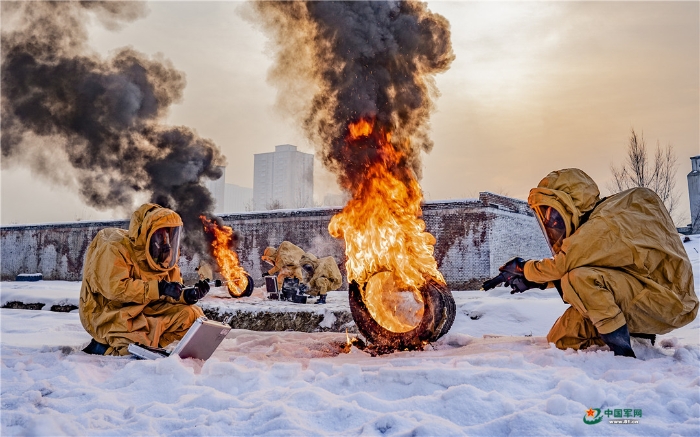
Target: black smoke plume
pixel 59 99
pixel 372 60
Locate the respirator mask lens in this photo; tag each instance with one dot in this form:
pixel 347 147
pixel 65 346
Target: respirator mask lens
pixel 553 226
pixel 164 246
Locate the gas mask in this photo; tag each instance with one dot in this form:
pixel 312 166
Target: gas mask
pixel 164 246
pixel 308 272
pixel 553 226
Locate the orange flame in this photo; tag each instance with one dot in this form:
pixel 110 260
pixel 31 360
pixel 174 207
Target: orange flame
pixel 362 128
pixel 226 258
pixel 383 233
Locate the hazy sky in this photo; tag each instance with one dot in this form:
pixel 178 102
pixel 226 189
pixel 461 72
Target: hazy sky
pixel 535 86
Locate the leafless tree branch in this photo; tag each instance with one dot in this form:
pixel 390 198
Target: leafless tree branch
pixel 638 171
pixel 275 204
pixel 250 205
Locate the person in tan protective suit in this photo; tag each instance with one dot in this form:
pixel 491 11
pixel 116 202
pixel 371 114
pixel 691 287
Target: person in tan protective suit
pixel 618 261
pixel 132 287
pixel 321 274
pixel 284 261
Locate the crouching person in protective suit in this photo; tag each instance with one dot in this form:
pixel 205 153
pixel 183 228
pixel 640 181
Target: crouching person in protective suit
pixel 132 287
pixel 284 261
pixel 321 274
pixel 617 261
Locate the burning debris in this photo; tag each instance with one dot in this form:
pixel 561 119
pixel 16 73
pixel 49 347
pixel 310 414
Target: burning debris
pixel 238 282
pixel 350 342
pixel 371 65
pixel 68 111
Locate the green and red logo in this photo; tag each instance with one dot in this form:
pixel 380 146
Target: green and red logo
pixel 592 416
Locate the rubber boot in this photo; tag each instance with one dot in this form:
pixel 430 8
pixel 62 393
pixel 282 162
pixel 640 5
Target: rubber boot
pixel 321 299
pixel 95 348
pixel 650 337
pixel 619 342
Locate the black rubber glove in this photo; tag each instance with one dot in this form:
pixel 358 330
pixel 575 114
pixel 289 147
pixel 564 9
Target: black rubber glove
pixel 171 289
pixel 200 289
pixel 518 285
pixel 514 271
pixel 512 275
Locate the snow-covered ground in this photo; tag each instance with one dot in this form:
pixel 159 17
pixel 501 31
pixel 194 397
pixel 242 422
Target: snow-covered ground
pixel 476 380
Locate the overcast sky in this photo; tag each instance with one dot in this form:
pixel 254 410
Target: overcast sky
pixel 535 86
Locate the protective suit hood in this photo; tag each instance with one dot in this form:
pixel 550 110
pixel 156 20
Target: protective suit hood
pixel 270 253
pixel 325 276
pixel 309 258
pixel 148 218
pixel 309 265
pixel 570 191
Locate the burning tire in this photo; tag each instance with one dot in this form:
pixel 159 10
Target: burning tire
pixel 236 292
pixel 430 322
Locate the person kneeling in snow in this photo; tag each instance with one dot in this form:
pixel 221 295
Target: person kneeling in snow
pixel 284 261
pixel 132 287
pixel 321 274
pixel 618 261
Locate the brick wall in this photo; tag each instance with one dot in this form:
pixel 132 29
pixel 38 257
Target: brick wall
pixel 474 237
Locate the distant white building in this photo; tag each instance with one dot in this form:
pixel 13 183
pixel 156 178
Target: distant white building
pixel 336 199
pixel 283 179
pixel 229 197
pixel 238 199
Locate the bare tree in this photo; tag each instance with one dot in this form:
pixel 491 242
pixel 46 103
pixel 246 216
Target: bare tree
pixel 302 200
pixel 638 171
pixel 249 205
pixel 275 204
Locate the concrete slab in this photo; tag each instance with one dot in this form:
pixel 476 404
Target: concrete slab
pixel 256 312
